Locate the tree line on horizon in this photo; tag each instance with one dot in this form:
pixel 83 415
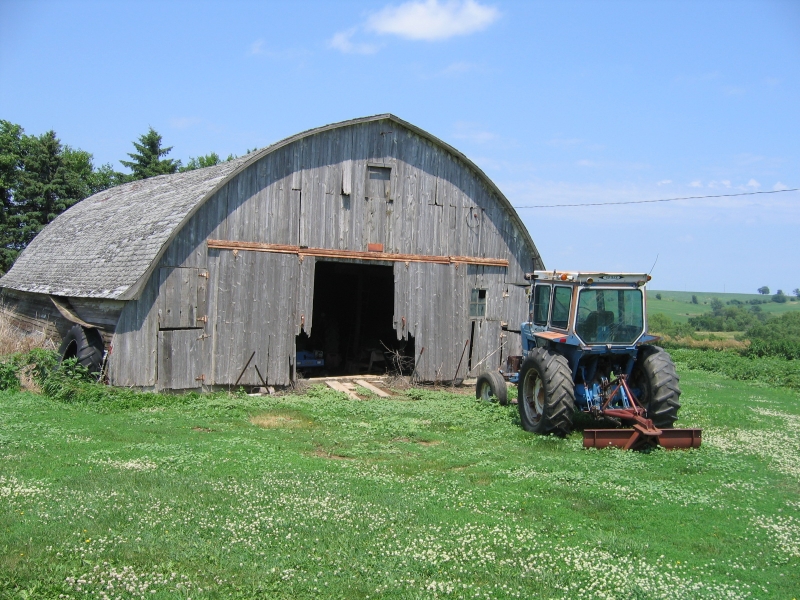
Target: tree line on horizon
pixel 41 177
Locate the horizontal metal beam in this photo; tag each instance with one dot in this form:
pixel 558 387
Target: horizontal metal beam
pixel 352 254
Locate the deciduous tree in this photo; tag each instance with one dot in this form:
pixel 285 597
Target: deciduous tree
pixel 201 162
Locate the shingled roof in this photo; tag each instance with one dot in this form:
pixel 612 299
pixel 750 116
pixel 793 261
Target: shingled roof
pixel 101 246
pixel 106 245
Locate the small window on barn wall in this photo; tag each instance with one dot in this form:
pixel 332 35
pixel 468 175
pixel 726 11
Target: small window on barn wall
pixel 379 182
pixel 477 304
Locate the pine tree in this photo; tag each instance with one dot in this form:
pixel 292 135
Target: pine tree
pixel 147 162
pixel 39 179
pixel 10 168
pixel 52 179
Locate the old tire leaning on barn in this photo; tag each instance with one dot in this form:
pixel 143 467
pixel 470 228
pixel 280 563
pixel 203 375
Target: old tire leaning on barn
pixel 546 398
pixel 85 345
pixel 655 377
pixel 490 387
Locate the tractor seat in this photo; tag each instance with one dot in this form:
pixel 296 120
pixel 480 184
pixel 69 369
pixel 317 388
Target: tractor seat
pixel 594 321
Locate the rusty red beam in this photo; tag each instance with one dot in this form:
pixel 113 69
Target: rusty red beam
pixel 353 254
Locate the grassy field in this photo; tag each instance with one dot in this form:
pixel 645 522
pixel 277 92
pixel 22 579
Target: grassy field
pixel 678 305
pixel 430 494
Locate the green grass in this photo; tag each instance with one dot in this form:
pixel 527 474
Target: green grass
pixel 428 495
pixel 678 305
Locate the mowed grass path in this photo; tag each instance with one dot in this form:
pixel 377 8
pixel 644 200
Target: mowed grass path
pixel 428 495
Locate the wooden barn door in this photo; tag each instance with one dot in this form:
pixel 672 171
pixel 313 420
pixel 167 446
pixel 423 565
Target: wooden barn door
pixel 182 319
pixel 254 320
pixel 486 288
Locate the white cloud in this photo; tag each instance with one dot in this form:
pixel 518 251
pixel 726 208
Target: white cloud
pixel 431 20
pixel 780 186
pixel 343 42
pixel 612 164
pixel 696 184
pixel 457 68
pixel 721 183
pixel 183 122
pixel 753 184
pixel 560 142
pixel 710 76
pixel 257 47
pixel 473 133
pixel 664 182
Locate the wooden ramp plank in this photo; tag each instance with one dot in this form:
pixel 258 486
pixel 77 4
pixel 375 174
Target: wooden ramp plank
pixel 337 385
pixel 375 390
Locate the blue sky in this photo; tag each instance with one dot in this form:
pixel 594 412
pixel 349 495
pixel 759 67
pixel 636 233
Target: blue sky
pixel 558 102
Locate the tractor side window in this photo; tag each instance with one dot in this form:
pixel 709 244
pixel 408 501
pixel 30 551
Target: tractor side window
pixel 541 304
pixel 561 303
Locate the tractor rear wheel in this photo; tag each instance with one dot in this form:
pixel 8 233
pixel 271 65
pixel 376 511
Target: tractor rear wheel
pixel 490 387
pixel 85 345
pixel 657 381
pixel 546 398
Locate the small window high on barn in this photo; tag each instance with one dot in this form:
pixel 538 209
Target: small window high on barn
pixel 379 182
pixel 477 304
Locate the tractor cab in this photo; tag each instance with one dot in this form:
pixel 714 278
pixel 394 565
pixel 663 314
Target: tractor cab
pixel 589 311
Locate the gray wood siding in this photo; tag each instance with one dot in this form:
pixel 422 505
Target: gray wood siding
pixel 132 361
pixel 314 192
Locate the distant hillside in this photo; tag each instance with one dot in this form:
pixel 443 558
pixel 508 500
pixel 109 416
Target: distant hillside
pixel 679 307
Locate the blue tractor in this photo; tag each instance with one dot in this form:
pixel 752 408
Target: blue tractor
pixel 587 349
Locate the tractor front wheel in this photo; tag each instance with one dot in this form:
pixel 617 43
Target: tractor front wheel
pixel 655 377
pixel 546 398
pixel 492 387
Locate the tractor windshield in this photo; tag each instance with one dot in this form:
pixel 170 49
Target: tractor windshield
pixel 610 316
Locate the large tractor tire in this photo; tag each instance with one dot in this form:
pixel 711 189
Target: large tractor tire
pixel 546 398
pixel 85 345
pixel 655 377
pixel 492 387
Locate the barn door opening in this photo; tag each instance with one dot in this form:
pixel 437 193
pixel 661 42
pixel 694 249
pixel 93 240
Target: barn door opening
pixel 352 321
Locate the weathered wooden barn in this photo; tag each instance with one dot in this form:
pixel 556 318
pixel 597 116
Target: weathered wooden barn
pixel 341 241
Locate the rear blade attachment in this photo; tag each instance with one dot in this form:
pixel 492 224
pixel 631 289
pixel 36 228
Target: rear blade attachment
pixel 640 438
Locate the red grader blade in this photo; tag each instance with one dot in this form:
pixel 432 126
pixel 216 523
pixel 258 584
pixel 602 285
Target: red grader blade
pixel 642 434
pixel 640 438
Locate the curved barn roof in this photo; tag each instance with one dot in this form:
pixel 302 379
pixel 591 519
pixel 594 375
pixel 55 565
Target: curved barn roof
pixel 107 245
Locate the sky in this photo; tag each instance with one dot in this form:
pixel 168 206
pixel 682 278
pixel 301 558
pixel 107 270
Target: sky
pixel 557 102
